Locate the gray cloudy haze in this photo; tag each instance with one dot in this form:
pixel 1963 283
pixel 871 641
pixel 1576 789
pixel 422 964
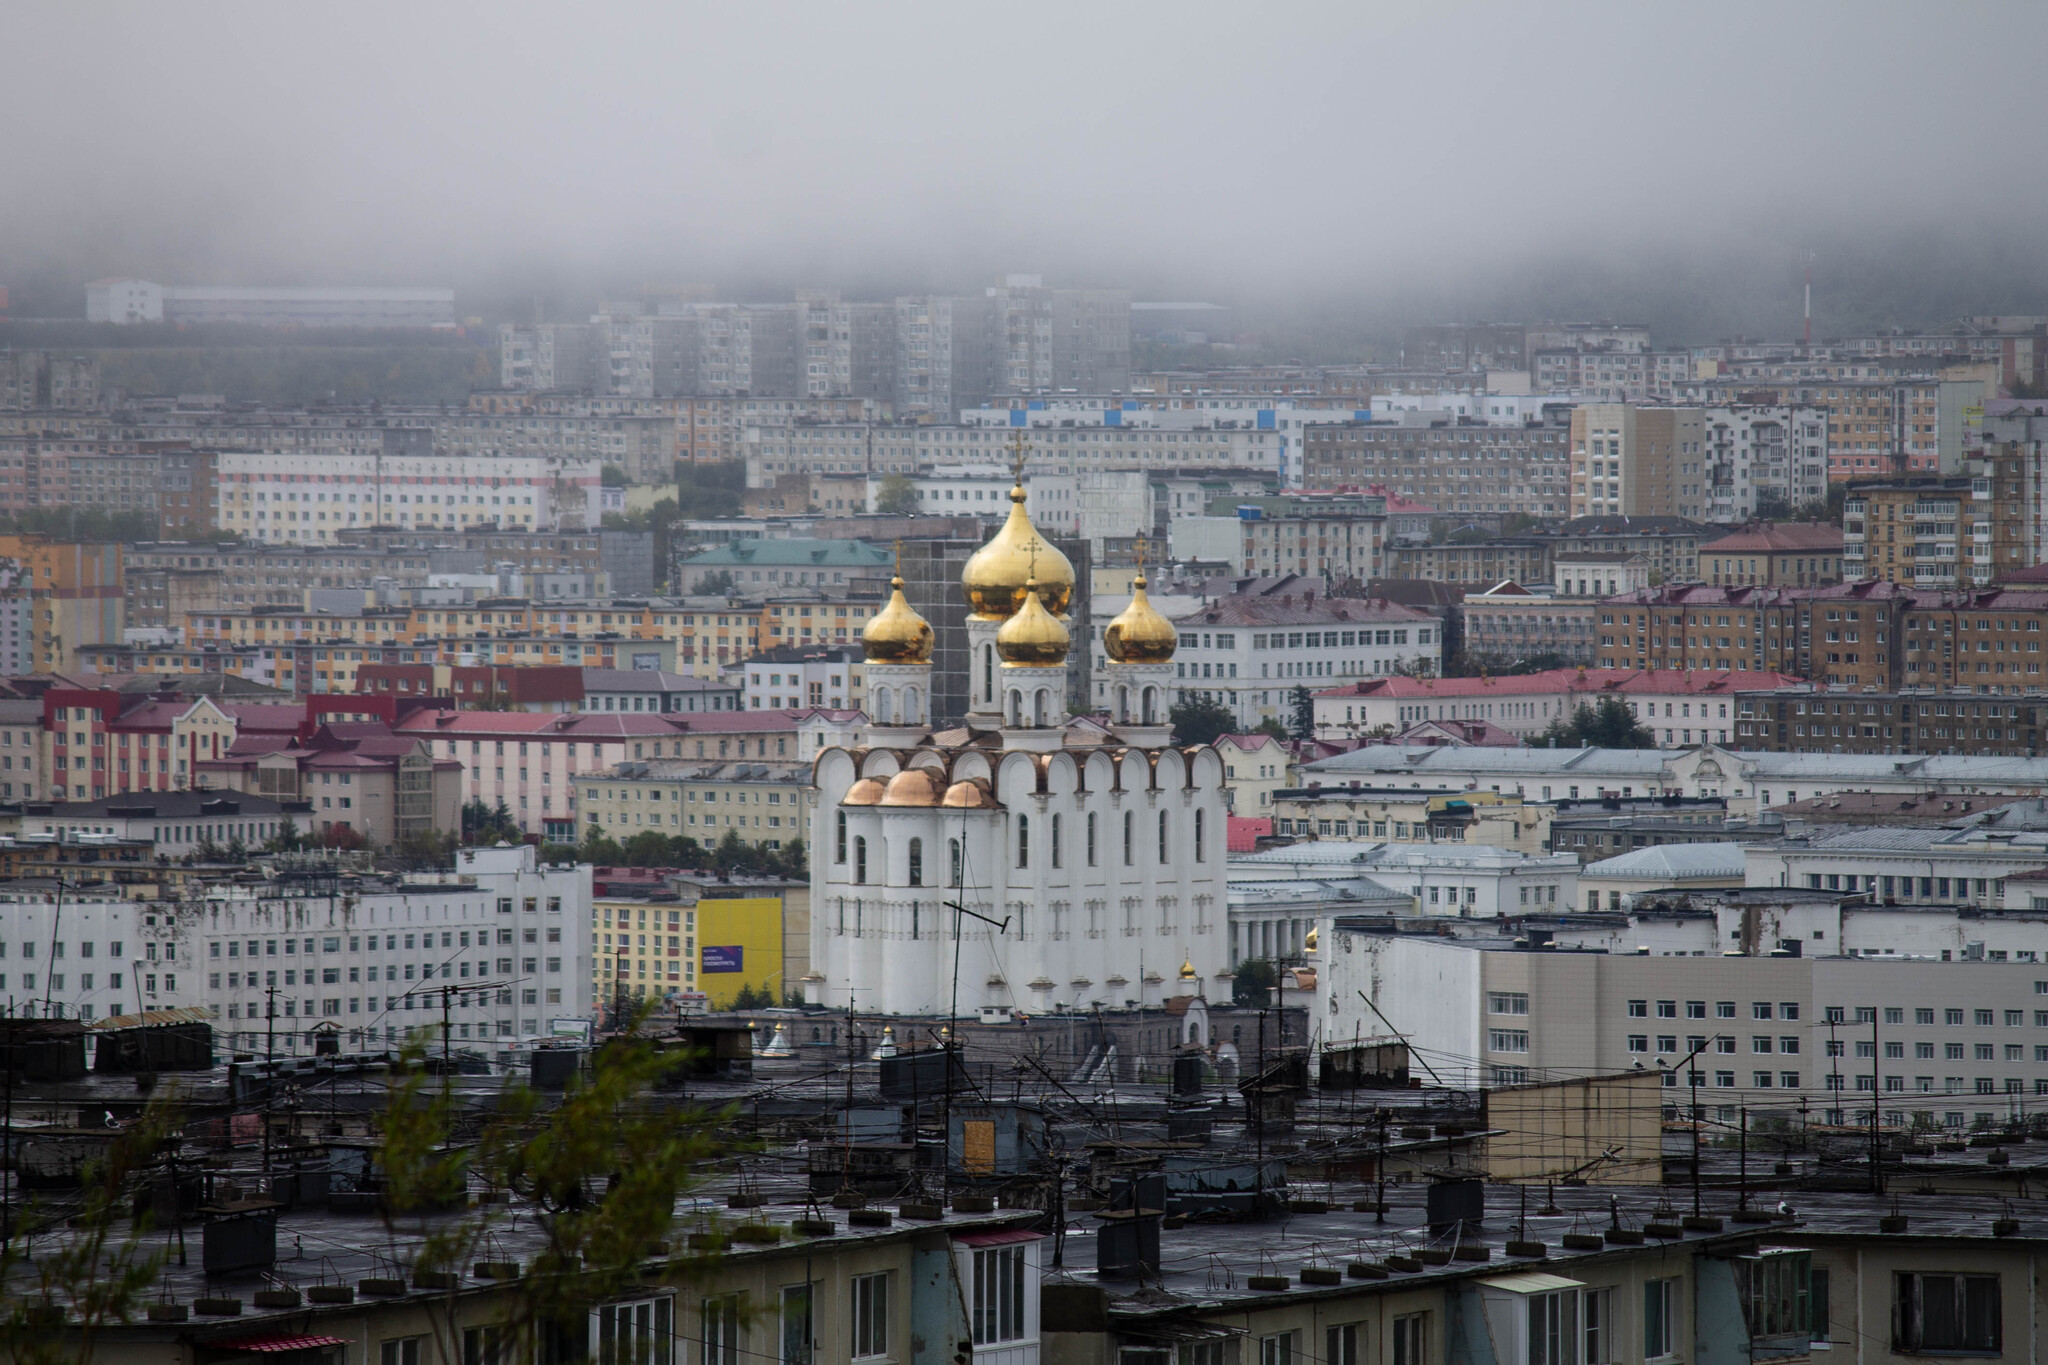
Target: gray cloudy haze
pixel 1453 159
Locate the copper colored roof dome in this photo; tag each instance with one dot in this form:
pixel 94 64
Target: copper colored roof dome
pixel 866 792
pixel 971 793
pixel 914 787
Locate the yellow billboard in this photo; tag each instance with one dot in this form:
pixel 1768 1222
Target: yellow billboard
pixel 739 943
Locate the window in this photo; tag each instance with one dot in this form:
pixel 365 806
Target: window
pixel 839 847
pixel 1507 1040
pixel 1598 1311
pixel 1507 1002
pixel 638 1333
pixel 1129 839
pixel 1773 1288
pixel 917 862
pixel 1279 1349
pixel 1817 1298
pixel 860 860
pixel 954 846
pixel 1091 840
pixel 1411 1339
pixel 1340 1346
pixel 1638 1009
pixel 719 1331
pixel 1053 847
pixel 401 1351
pixel 797 1346
pixel 1660 1308
pixel 870 1315
pixel 997 1299
pixel 1946 1313
pixel 1023 841
pixel 1554 1328
pixel 1162 838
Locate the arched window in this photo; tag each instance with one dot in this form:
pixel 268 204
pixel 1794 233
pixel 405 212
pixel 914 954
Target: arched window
pixel 1130 850
pixel 1201 854
pixel 954 880
pixel 917 862
pixel 988 675
pixel 1053 846
pixel 839 846
pixel 1162 836
pixel 1023 841
pixel 1091 838
pixel 860 860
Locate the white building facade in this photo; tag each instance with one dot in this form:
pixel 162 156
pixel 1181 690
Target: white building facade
pixel 281 498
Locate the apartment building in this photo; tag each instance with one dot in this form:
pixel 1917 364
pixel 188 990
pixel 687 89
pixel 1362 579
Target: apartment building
pixel 1508 624
pixel 764 804
pixel 1338 538
pixel 832 676
pixel 1364 815
pixel 166 483
pixel 1634 461
pixel 1460 466
pixel 1844 635
pixel 127 302
pixel 64 597
pixel 1249 652
pixel 275 498
pixel 1775 554
pixel 1879 423
pixel 41 381
pixel 1669 545
pixel 1758 457
pixel 95 954
pixel 1680 706
pixel 644 446
pixel 1441 879
pixel 765 565
pixel 1483 561
pixel 872 448
pixel 165 580
pixel 1926 532
pixel 1920 722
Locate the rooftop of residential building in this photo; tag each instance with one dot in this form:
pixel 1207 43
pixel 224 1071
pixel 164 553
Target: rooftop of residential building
pixel 1670 863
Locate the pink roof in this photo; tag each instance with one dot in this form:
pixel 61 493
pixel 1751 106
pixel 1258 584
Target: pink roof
pixel 1242 833
pixel 1398 505
pixel 1483 734
pixel 1258 739
pixel 1789 537
pixel 1661 681
pixel 257 715
pixel 600 725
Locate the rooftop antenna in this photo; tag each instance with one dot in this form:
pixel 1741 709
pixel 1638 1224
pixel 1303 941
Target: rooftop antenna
pixel 1808 344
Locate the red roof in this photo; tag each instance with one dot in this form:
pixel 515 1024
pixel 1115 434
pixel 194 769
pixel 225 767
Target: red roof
pixel 1242 833
pixel 270 1344
pixel 1661 681
pixel 1257 739
pixel 1784 537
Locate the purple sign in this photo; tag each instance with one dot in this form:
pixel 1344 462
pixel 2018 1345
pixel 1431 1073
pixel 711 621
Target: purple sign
pixel 730 959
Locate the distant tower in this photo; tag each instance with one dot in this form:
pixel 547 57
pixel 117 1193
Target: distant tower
pixel 994 579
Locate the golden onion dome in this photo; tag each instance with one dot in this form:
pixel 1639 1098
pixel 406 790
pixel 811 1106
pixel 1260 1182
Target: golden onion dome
pixel 995 575
pixel 1308 942
pixel 1187 970
pixel 972 793
pixel 866 792
pixel 1139 634
pixel 1034 636
pixel 914 787
pixel 897 634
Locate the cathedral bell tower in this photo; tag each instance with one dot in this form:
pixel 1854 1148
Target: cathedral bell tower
pixel 1140 644
pixel 1016 564
pixel 897 644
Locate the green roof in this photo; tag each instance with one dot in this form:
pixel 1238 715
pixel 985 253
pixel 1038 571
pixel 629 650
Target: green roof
pixel 793 552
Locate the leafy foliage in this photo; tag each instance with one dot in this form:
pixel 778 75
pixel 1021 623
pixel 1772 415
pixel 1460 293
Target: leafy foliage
pixel 749 997
pixel 82 524
pixel 897 496
pixel 481 824
pixel 1609 726
pixel 1253 982
pixel 1271 725
pixel 1197 720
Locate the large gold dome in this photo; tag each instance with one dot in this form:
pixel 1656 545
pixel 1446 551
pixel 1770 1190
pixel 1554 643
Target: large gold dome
pixel 897 634
pixel 996 573
pixel 1139 634
pixel 1034 636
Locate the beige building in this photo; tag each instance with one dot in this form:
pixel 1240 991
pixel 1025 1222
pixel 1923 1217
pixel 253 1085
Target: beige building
pixel 1638 462
pixel 1255 766
pixel 765 804
pixel 1365 816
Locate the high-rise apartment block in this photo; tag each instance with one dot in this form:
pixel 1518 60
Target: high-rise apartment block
pixel 1636 461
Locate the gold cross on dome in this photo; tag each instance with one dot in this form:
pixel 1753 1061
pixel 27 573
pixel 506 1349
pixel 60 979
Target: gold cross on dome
pixel 1019 447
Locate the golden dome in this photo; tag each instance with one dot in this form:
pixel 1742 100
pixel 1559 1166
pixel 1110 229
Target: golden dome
pixel 1308 942
pixel 995 575
pixel 897 634
pixel 1034 636
pixel 973 793
pixel 866 792
pixel 914 787
pixel 1187 970
pixel 1139 634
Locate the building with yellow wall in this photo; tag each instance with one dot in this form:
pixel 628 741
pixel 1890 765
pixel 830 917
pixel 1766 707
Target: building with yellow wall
pixel 75 596
pixel 652 950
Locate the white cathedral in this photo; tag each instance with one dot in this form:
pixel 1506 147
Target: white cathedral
pixel 1026 860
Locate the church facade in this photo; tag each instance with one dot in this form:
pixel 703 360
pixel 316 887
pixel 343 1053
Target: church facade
pixel 1027 860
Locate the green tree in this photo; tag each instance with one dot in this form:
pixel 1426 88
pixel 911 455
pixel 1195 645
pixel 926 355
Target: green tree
pixel 1253 982
pixel 897 496
pixel 648 848
pixel 1197 720
pixel 287 839
pixel 1272 725
pixel 599 850
pixel 1303 705
pixel 718 584
pixel 752 998
pixel 1611 725
pixel 482 824
pixel 597 1173
pixel 611 476
pixel 796 865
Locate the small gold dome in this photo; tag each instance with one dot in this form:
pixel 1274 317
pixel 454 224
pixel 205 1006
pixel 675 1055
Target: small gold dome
pixel 1139 634
pixel 866 792
pixel 1309 940
pixel 914 787
pixel 897 634
pixel 995 575
pixel 1034 636
pixel 973 793
pixel 1187 970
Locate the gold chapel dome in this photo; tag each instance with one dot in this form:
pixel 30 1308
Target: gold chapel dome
pixel 897 634
pixel 1139 634
pixel 1034 636
pixel 995 575
pixel 1187 970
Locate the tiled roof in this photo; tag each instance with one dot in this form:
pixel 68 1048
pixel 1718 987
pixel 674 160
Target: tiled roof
pixel 1306 610
pixel 1787 537
pixel 1589 681
pixel 1671 862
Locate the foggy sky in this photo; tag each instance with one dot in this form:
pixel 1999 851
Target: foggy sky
pixel 1461 159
